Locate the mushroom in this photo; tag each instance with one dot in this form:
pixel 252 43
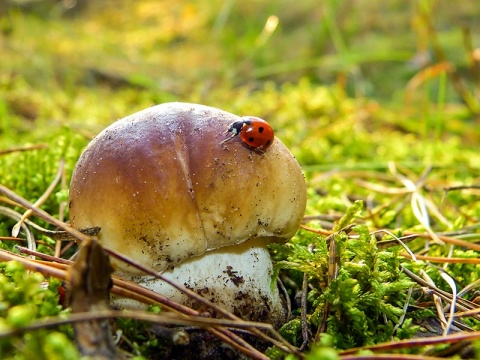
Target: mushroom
pixel 167 191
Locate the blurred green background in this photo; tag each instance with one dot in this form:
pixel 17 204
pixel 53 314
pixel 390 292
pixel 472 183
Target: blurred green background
pixel 87 63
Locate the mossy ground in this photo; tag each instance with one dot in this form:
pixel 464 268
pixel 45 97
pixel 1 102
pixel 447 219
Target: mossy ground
pixel 378 102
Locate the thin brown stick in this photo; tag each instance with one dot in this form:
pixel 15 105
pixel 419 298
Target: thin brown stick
pixel 389 357
pixel 448 239
pixel 461 187
pixel 168 318
pixel 33 265
pixel 50 258
pixel 405 344
pixel 316 231
pixel 446 260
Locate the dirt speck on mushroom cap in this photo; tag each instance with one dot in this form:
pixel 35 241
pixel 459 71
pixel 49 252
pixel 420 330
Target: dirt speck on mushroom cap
pixel 162 187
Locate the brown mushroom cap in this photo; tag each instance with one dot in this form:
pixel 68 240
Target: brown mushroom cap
pixel 163 189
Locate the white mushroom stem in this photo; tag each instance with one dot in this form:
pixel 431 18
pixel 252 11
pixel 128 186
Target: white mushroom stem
pixel 237 278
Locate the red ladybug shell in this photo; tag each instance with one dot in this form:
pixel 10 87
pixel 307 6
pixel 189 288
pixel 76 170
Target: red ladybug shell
pixel 256 133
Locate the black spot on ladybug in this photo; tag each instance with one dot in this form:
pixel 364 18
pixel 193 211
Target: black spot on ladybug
pixel 267 144
pixel 260 129
pixel 251 139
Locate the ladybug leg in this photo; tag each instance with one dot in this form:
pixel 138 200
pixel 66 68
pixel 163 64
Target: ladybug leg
pixel 257 150
pixel 228 139
pixel 234 133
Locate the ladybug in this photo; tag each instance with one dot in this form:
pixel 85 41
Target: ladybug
pixel 256 133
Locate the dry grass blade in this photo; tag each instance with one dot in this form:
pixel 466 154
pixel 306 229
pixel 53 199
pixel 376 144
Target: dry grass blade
pixel 439 259
pixel 33 265
pixel 436 212
pixel 468 313
pixel 62 206
pixel 17 216
pixel 316 231
pixel 449 240
pixel 461 187
pixel 406 344
pixel 437 300
pixel 381 188
pixel 43 214
pixel 50 259
pixel 389 357
pixel 421 205
pixel 417 201
pixel 452 285
pixel 461 303
pixel 23 148
pixel 8 201
pixel 41 200
pixel 469 287
pixel 383 244
pixel 426 74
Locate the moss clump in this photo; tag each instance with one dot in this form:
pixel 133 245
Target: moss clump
pixel 365 299
pixel 24 297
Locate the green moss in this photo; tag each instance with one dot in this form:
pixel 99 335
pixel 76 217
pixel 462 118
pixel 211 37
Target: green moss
pixel 364 301
pixel 24 297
